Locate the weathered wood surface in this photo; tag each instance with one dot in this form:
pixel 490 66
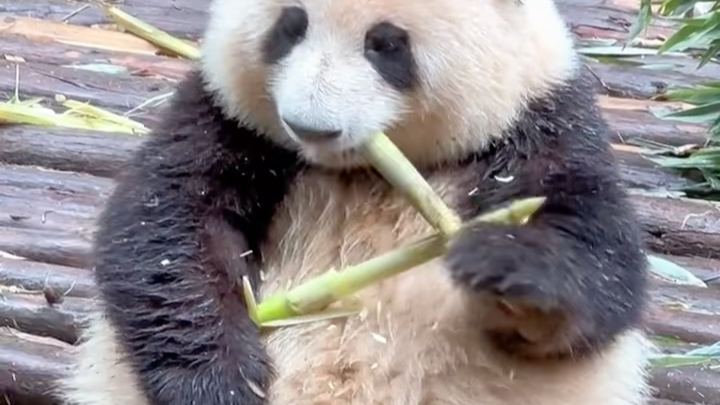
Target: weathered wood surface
pixel 30 365
pixel 54 182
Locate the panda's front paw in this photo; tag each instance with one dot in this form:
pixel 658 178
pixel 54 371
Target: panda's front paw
pixel 505 261
pixel 524 284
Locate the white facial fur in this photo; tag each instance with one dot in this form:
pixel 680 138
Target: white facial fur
pixel 477 63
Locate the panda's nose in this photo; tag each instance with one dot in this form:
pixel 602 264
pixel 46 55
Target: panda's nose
pixel 310 134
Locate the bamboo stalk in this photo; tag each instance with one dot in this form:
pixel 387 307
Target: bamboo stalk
pixel 152 34
pixel 332 286
pixel 318 293
pixel 399 172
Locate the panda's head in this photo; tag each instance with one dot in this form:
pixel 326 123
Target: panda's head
pixel 439 77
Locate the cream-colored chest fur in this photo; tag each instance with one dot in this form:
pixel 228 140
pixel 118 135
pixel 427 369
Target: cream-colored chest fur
pixel 417 342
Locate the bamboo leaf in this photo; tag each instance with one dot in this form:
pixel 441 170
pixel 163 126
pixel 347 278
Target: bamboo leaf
pixel 709 351
pixel 672 272
pixel 702 94
pixel 712 178
pixel 685 163
pixel 642 21
pixel 688 35
pixel 697 114
pixel 678 360
pixel 95 112
pixel 715 129
pixel 711 52
pixel 676 7
pixel 18 113
pixel 712 84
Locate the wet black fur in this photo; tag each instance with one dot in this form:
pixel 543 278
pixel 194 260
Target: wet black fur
pixel 203 190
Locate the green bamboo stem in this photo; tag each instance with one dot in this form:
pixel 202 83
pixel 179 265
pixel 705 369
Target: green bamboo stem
pixel 152 34
pixel 318 293
pixel 398 171
pixel 332 286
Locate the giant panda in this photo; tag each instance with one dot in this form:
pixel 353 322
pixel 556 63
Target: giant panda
pixel 255 171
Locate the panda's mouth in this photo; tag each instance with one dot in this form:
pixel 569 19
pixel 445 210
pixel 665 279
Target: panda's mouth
pixel 325 145
pixel 311 135
pixel 331 153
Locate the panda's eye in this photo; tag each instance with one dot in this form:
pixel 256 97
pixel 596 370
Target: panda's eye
pixel 386 38
pixel 289 30
pixel 387 48
pixel 382 45
pixel 293 22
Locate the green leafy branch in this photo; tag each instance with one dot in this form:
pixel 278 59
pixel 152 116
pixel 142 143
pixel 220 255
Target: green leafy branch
pixel 694 33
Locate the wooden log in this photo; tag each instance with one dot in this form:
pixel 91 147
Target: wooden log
pixel 36 276
pixel 108 39
pixel 703 268
pixel 683 325
pixel 88 57
pixel 681 227
pixel 29 366
pixel 64 182
pixel 51 247
pixel 691 384
pixel 97 153
pixel 607 19
pixel 687 313
pixel 20 214
pixel 632 119
pixel 637 172
pixel 687 298
pixel 32 313
pixel 47 209
pixel 629 82
pixel 185 18
pixel 32 198
pixel 117 92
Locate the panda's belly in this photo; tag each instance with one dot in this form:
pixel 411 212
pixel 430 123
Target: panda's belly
pixel 416 341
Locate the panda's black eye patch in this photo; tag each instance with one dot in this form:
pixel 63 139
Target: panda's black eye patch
pixel 288 31
pixel 387 47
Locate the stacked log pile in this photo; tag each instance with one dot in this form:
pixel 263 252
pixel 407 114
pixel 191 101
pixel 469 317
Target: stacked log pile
pixel 54 181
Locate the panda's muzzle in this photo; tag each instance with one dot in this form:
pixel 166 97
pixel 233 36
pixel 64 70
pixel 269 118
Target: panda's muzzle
pixel 309 134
